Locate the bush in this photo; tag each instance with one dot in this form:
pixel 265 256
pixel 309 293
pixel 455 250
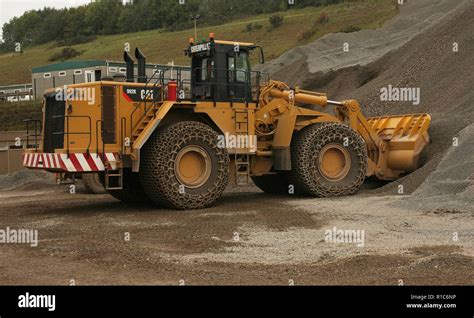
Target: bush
pixel 306 35
pixel 323 18
pixel 350 29
pixel 65 54
pixel 276 20
pixel 252 26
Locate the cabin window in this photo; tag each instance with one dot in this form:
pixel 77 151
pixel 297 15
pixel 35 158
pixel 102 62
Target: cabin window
pixel 207 67
pixel 240 65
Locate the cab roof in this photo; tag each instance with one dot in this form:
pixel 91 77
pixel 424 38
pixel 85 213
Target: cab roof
pixel 248 44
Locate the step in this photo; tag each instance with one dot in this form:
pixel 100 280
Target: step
pixel 114 175
pixel 109 178
pixel 108 163
pixel 114 189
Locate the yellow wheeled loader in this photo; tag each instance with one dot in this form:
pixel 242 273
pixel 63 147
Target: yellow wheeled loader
pixel 176 139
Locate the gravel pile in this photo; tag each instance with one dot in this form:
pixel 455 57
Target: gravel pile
pixel 26 179
pixel 365 46
pixel 426 61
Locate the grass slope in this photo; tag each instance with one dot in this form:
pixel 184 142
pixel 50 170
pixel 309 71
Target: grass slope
pixel 300 27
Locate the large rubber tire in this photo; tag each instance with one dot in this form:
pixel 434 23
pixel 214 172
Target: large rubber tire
pixel 311 177
pixel 132 192
pixel 92 183
pixel 160 166
pixel 273 183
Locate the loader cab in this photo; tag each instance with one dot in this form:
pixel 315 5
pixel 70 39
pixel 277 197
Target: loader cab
pixel 221 71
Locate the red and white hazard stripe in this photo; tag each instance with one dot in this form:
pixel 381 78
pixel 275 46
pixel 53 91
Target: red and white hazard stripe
pixel 75 162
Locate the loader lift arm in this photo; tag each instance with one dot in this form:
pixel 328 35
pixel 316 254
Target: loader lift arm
pixel 394 143
pixel 349 111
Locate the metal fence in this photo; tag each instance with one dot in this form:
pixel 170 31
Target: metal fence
pixel 11 150
pixel 10 160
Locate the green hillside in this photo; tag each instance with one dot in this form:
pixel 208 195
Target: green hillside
pixel 299 27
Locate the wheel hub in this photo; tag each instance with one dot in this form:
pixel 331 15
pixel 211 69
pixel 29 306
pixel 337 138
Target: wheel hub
pixel 193 166
pixel 334 162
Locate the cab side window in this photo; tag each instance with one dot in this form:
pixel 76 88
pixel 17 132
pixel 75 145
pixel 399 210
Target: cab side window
pixel 238 66
pixel 207 67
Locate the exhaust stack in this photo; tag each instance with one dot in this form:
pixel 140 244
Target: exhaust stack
pixel 141 66
pixel 130 66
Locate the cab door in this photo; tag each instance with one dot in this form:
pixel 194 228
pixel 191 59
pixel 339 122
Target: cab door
pixel 238 78
pixel 204 81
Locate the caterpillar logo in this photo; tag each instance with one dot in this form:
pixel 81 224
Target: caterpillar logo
pixel 134 94
pixel 200 48
pixel 146 94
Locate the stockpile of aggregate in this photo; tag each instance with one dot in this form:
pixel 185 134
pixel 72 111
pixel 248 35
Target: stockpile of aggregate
pixel 438 61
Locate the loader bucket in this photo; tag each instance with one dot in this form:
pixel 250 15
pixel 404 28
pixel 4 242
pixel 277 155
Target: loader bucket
pixel 407 136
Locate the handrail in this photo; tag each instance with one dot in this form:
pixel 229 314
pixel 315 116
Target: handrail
pixel 144 101
pixel 35 134
pixel 233 72
pixel 250 89
pixel 181 82
pixel 66 132
pixel 97 135
pixel 123 125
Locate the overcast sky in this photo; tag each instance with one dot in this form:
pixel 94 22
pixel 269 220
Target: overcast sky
pixel 14 8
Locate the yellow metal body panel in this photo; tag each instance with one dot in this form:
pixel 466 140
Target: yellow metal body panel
pixel 224 115
pixel 79 110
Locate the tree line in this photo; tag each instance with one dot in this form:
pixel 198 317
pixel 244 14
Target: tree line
pixel 82 24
